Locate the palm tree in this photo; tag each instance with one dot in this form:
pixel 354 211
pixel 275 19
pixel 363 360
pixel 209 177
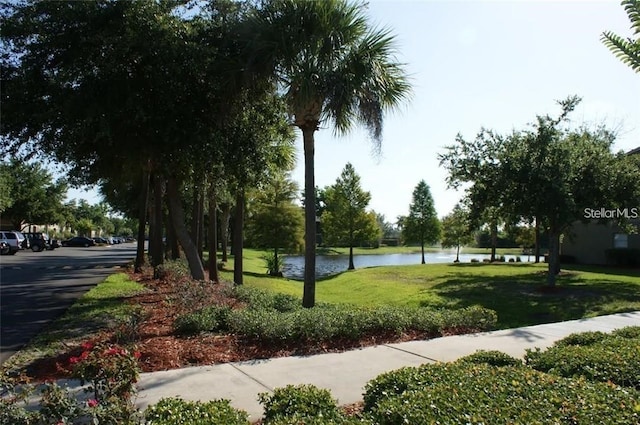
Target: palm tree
pixel 333 68
pixel 628 50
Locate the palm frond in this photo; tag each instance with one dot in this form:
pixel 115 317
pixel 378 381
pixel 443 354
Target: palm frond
pixel 627 50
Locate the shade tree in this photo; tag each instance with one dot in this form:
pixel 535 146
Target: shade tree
pixel 457 230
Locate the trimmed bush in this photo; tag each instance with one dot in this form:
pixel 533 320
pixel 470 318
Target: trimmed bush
pixel 175 411
pixel 582 338
pixel 302 402
pixel 208 319
pixel 325 322
pixel 492 358
pixel 466 393
pixel 605 358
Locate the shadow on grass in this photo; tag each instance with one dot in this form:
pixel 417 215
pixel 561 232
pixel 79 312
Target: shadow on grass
pixel 523 300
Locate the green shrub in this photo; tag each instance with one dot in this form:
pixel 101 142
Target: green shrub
pixel 474 318
pixel 631 332
pixel 285 302
pixel 582 338
pixel 305 420
pixel 175 411
pixel 208 319
pixel 325 322
pixel 302 401
pixel 492 357
pixel 612 358
pixel 467 393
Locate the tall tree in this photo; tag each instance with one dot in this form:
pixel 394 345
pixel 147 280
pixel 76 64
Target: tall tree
pixel 478 161
pixel 346 221
pixel 626 49
pixel 547 172
pixel 275 221
pixel 35 197
pixel 456 230
pixel 334 67
pixel 422 224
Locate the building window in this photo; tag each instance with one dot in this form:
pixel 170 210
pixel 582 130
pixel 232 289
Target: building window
pixel 620 240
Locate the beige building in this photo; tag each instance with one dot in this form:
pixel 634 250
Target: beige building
pixel 594 243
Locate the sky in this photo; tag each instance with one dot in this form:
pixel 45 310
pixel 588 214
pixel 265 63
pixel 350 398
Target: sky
pixel 473 64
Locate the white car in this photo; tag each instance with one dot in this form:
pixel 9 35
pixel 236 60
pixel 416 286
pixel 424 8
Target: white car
pixel 13 239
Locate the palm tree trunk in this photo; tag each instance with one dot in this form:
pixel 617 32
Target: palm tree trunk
pixel 142 218
pixel 177 217
pixel 238 223
pixel 309 291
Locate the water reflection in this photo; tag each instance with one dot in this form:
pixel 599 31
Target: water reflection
pixel 327 265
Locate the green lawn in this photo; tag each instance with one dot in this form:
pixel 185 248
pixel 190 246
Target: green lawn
pixel 511 289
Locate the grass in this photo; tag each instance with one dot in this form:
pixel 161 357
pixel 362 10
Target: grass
pixel 514 290
pixel 101 307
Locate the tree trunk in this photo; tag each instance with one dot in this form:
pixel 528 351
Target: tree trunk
pixel 457 254
pixel 196 218
pixel 238 223
pixel 213 237
pixel 309 291
pixel 351 265
pixel 172 238
pixel 177 218
pixel 553 257
pixel 422 251
pixel 494 239
pixel 155 237
pixel 201 241
pixel 142 218
pixel 536 250
pixel 224 230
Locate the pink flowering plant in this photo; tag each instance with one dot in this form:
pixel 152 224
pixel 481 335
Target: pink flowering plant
pixel 111 372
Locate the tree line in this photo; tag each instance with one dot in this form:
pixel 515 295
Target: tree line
pixel 176 107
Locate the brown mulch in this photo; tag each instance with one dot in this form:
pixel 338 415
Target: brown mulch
pixel 161 349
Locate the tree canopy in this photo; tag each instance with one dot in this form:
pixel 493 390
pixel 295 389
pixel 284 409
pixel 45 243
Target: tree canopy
pixel 547 172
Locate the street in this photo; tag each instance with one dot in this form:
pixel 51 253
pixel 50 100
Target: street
pixel 37 287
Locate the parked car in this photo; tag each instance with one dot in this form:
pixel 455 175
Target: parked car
pixel 102 241
pixel 4 248
pixel 79 241
pixel 39 241
pixel 13 239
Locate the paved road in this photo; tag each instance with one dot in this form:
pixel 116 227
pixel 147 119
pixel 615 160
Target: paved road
pixel 37 287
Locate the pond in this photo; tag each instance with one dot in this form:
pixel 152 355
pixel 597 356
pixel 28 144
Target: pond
pixel 327 265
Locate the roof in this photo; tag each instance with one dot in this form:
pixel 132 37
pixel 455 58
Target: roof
pixel 635 151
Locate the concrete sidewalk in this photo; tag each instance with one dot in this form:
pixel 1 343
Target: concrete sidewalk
pixel 345 374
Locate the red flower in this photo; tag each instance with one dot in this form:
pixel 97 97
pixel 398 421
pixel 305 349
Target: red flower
pixel 87 346
pixel 92 402
pixel 137 354
pixel 74 360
